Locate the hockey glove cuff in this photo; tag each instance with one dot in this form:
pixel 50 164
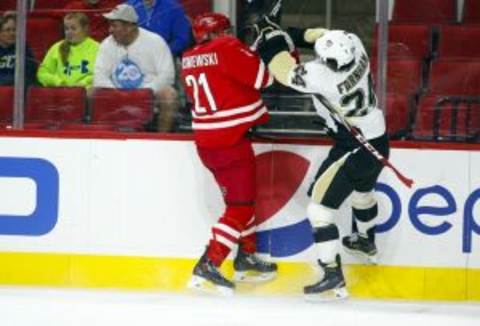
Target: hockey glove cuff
pixel 297 35
pixel 305 37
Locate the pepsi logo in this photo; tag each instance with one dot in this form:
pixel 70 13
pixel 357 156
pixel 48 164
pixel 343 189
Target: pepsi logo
pixel 279 175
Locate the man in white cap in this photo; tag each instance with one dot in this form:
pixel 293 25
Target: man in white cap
pixel 132 57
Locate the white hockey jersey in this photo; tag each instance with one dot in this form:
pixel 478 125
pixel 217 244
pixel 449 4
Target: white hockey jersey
pixel 350 92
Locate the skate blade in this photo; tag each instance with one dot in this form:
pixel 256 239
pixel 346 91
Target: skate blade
pixel 203 285
pixel 330 295
pixel 368 259
pixel 253 277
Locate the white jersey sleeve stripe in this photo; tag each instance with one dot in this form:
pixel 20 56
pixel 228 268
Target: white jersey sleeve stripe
pixel 229 112
pixel 229 123
pixel 260 75
pixel 270 80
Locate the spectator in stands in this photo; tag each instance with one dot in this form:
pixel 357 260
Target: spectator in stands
pixel 70 61
pixel 91 4
pixel 166 18
pixel 132 57
pixel 7 53
pixel 93 9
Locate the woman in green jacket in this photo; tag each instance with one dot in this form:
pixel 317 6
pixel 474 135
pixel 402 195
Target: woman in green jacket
pixel 70 62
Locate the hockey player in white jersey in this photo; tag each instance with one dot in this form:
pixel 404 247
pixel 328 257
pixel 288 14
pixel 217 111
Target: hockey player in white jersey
pixel 341 86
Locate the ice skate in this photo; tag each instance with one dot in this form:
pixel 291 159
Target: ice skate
pixel 207 278
pixel 331 286
pixel 250 268
pixel 362 247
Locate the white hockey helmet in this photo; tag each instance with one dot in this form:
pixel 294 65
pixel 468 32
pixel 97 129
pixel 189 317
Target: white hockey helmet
pixel 336 49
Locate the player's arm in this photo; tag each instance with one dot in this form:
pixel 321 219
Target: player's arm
pixel 275 47
pixel 305 37
pixel 246 67
pixel 275 50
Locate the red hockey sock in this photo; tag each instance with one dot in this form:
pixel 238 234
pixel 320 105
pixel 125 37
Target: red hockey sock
pixel 248 239
pixel 226 233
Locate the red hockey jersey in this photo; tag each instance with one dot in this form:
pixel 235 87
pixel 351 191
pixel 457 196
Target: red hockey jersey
pixel 223 79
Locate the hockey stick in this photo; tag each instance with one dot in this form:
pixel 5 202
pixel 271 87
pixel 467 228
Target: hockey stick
pixel 275 10
pixel 363 141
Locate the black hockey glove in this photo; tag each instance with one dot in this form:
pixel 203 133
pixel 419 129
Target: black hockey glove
pixel 273 43
pixel 297 35
pixel 262 27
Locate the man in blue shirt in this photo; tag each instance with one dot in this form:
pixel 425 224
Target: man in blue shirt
pixel 166 18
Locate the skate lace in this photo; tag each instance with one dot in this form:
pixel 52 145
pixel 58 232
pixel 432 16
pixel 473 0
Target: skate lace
pixel 216 273
pixel 257 261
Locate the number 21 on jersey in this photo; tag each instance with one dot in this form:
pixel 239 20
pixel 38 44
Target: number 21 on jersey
pixel 200 84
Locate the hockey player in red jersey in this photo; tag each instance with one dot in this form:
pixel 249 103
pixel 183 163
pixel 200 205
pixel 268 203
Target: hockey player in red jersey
pixel 223 79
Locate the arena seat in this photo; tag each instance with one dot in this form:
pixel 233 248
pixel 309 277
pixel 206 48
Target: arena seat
pixel 8 5
pixel 447 118
pixel 127 109
pixel 195 8
pixel 98 24
pixel 6 104
pixel 397 114
pixel 454 77
pixel 424 11
pixel 43 30
pixel 471 12
pixel 56 105
pixel 51 4
pixel 404 75
pixel 406 41
pixel 459 41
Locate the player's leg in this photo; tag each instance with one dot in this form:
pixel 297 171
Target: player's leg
pixel 328 192
pixel 362 240
pixel 224 165
pixel 224 237
pixel 364 171
pixel 232 169
pixel 248 266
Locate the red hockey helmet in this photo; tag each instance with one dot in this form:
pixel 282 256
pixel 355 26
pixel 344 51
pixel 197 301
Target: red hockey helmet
pixel 211 22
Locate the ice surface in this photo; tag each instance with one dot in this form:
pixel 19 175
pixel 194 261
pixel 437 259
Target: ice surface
pixel 53 307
